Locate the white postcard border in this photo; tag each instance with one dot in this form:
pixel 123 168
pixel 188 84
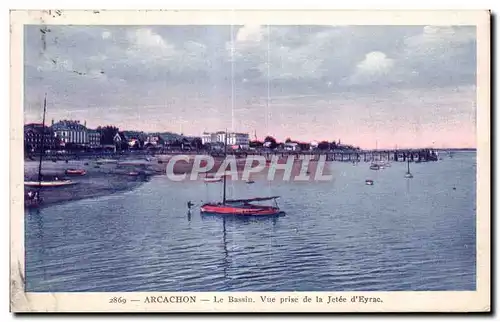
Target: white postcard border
pixel 465 301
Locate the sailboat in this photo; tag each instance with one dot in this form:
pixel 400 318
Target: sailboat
pixel 374 165
pixel 408 173
pixel 33 198
pixel 240 207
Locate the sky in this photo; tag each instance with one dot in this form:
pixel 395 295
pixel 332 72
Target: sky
pixel 370 86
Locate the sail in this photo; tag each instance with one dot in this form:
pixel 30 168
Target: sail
pixel 252 199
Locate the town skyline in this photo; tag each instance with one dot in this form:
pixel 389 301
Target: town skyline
pixel 410 86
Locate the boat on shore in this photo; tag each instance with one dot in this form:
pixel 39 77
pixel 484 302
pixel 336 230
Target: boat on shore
pixel 79 172
pixel 32 198
pixel 55 183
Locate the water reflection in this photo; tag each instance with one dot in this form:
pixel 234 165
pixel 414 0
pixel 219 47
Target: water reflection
pixel 234 221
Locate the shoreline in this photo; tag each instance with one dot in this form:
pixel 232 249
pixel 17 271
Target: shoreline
pixel 104 180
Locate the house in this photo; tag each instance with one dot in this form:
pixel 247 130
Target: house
pixel 292 146
pixel 36 135
pixel 242 140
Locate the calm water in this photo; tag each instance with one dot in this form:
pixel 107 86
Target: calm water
pixel 400 234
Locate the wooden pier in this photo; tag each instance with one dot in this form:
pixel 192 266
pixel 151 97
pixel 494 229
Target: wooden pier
pixel 416 155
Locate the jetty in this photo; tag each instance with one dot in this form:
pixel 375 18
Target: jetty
pixel 401 155
pixel 413 155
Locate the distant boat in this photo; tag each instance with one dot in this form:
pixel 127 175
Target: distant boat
pixel 369 182
pixel 408 173
pixel 374 166
pixel 79 172
pixel 250 181
pixel 212 180
pixel 101 161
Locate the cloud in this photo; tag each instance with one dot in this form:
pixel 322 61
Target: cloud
pixel 295 60
pixel 375 66
pixel 250 34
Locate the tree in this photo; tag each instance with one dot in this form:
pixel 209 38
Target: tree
pixel 196 143
pixel 255 144
pixel 108 133
pixel 323 145
pixel 288 140
pixel 272 142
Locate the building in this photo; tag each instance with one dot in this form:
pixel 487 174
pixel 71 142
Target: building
pixel 233 138
pixel 94 137
pixel 154 140
pixel 208 138
pixel 292 146
pixel 71 132
pixel 36 134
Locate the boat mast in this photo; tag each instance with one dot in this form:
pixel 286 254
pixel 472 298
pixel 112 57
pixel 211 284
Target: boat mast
pixel 43 143
pixel 224 178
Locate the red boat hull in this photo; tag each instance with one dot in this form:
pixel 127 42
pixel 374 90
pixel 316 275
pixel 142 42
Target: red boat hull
pixel 240 211
pixel 76 172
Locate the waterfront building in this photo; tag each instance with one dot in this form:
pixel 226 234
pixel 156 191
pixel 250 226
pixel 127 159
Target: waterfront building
pixel 233 138
pixel 94 137
pixel 70 131
pixel 33 135
pixel 292 146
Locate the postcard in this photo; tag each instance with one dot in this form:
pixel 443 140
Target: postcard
pixel 250 161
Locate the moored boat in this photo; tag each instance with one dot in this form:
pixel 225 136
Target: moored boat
pixel 242 207
pixel 212 180
pixel 239 207
pixel 408 173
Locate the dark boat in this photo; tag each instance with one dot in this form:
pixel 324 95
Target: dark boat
pixel 408 173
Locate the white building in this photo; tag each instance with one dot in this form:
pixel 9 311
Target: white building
pixel 292 146
pixel 233 138
pixel 71 132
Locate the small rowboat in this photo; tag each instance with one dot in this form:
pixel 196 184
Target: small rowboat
pixel 369 182
pixel 57 183
pixel 80 172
